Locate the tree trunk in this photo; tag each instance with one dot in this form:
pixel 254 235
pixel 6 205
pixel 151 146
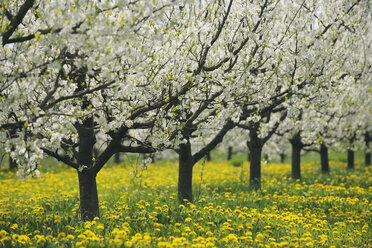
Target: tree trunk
pixel 296 156
pixel 324 158
pixel 208 156
pixel 117 158
pixel 185 173
pixel 350 159
pixel 153 158
pixel 367 157
pixel 89 206
pixel 248 152
pixel 12 164
pixel 229 153
pixel 255 148
pixel 282 158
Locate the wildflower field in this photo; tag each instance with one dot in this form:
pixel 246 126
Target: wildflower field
pixel 142 210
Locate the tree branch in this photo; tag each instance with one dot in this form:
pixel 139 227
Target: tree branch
pixel 220 27
pixel 115 147
pixel 214 142
pixel 15 125
pixel 273 130
pixel 63 159
pixel 136 149
pixel 202 108
pixel 214 39
pixel 159 104
pixel 78 94
pixel 8 14
pixel 244 42
pixel 17 19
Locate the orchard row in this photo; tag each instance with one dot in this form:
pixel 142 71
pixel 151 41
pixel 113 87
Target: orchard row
pixel 84 80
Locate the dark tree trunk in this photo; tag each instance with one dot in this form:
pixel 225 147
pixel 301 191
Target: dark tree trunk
pixel 296 156
pixel 350 159
pixel 185 173
pixel 89 206
pixel 229 152
pixel 117 158
pixel 255 168
pixel 367 157
pixel 153 158
pixel 248 152
pixel 282 158
pixel 12 164
pixel 255 148
pixel 208 156
pixel 324 158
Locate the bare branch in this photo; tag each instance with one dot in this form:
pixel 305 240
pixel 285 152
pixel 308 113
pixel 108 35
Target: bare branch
pixel 214 142
pixel 78 94
pixel 17 19
pixel 202 108
pixel 275 127
pixel 63 159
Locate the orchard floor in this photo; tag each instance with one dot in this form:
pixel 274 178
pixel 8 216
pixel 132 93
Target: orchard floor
pixel 141 209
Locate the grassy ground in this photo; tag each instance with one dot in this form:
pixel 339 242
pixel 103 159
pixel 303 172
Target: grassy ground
pixel 141 209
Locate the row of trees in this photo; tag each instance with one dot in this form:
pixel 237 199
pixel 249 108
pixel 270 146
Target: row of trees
pixel 141 77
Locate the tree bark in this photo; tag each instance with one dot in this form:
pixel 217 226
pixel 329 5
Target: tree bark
pixel 367 155
pixel 296 156
pixel 248 152
pixel 324 158
pixel 209 156
pixel 185 173
pixel 229 152
pixel 282 158
pixel 12 164
pixel 255 148
pixel 367 158
pixel 350 159
pixel 153 160
pixel 117 158
pixel 89 206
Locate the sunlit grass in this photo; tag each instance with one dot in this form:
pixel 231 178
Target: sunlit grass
pixel 142 209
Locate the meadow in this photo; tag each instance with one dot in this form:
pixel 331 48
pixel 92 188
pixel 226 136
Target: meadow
pixel 139 208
